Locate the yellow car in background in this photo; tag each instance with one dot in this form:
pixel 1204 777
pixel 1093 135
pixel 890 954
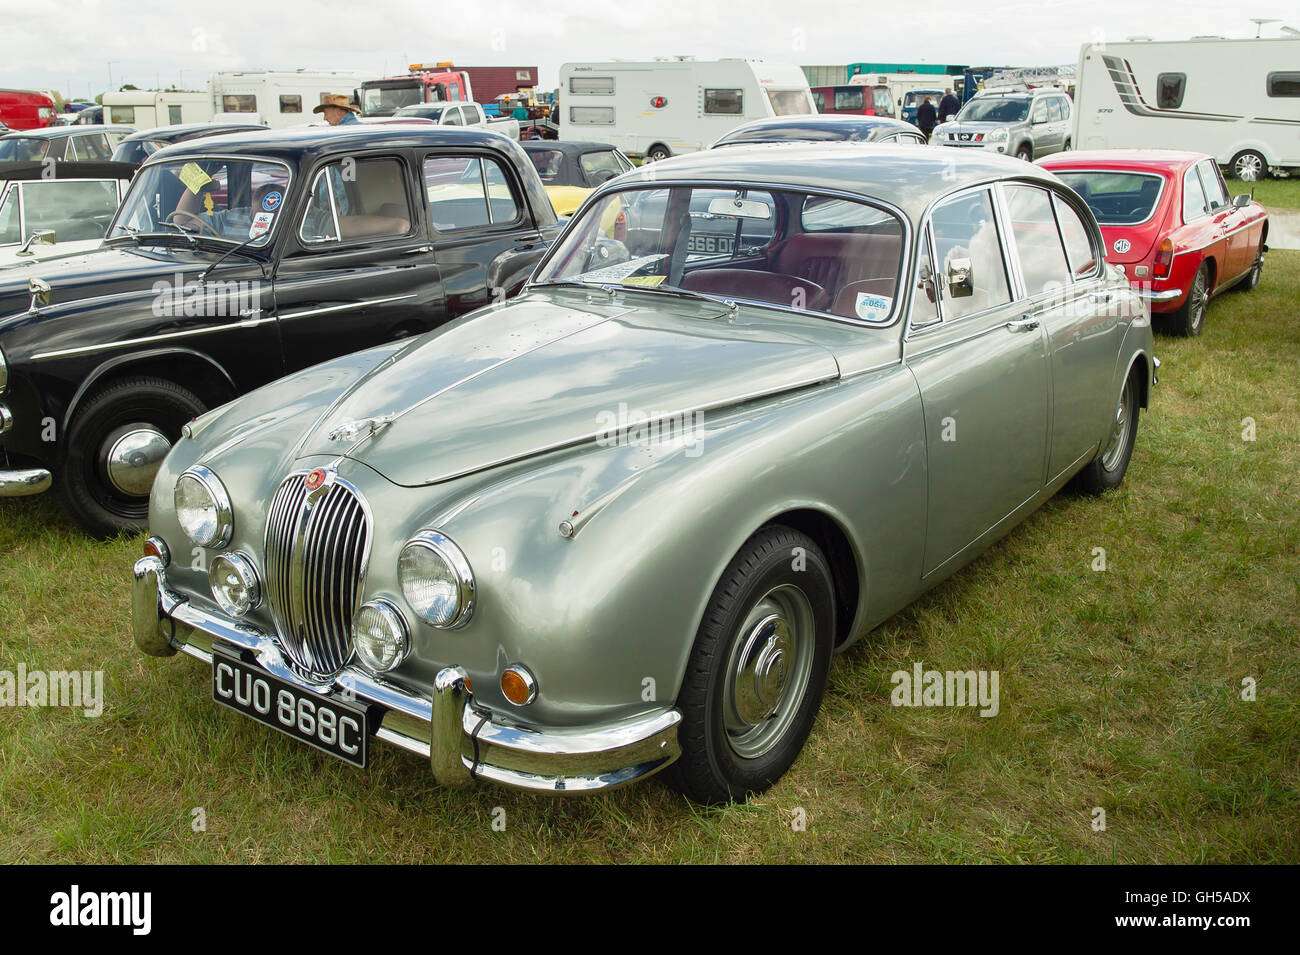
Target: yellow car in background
pixel 569 171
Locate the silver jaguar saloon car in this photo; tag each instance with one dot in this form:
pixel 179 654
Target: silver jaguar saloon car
pixel 751 403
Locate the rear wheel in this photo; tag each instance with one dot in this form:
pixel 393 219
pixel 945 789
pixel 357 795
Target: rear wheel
pixel 1106 471
pixel 1190 318
pixel 113 449
pixel 1251 281
pixel 1065 147
pixel 657 152
pixel 1248 166
pixel 757 672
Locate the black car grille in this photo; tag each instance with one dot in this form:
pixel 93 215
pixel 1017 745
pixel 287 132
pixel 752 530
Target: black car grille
pixel 317 543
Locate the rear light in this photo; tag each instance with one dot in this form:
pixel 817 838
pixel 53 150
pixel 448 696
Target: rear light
pixel 1164 260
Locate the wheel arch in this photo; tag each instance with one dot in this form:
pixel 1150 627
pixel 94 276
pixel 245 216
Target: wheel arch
pixel 199 372
pixel 845 563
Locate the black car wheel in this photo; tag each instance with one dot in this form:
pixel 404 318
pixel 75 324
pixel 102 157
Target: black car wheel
pixel 658 153
pixel 1190 318
pixel 1106 471
pixel 1026 153
pixel 757 672
pixel 1251 281
pixel 114 447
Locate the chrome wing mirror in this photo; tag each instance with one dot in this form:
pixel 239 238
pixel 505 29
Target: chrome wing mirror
pixel 39 237
pixel 960 282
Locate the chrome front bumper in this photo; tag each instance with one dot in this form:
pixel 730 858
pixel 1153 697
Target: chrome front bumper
pixel 461 741
pixel 25 483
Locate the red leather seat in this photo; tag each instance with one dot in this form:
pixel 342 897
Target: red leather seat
pixel 838 260
pixel 788 290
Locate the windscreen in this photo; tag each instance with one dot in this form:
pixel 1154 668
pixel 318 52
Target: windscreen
pixel 994 109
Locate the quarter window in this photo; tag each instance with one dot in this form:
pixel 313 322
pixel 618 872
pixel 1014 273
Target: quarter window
pixel 1038 244
pixel 1216 191
pixel 370 202
pixel 925 295
pixel 725 102
pixel 467 192
pixel 89 148
pixel 966 243
pixel 1284 84
pixel 1169 90
pixel 1193 196
pixel 1078 242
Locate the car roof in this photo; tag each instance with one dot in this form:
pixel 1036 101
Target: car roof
pixel 1147 159
pixel 568 147
pixel 70 169
pixel 829 123
pixel 59 132
pixel 304 141
pixel 180 131
pixel 909 177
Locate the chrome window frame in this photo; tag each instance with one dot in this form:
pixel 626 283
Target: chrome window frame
pixel 413 229
pixel 1023 294
pixel 1193 171
pixel 898 308
pixel 491 225
pixel 1096 240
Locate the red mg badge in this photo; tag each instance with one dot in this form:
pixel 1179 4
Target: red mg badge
pixel 315 479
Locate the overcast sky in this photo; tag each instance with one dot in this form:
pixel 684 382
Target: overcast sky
pixel 72 45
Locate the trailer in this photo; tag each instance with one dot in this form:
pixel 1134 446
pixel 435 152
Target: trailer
pixel 278 98
pixel 659 108
pixel 145 109
pixel 1238 100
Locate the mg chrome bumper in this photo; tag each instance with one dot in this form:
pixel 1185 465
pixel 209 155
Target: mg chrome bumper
pixel 1151 295
pixel 461 741
pixel 25 483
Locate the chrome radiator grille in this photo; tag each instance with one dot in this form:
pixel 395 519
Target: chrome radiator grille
pixel 317 543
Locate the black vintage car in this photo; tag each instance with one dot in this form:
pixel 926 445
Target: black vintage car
pixel 235 260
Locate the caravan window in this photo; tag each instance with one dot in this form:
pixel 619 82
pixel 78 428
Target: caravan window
pixel 726 102
pixel 121 114
pixel 174 115
pixel 239 104
pixel 290 104
pixel 592 115
pixel 1284 84
pixel 1169 90
pixel 592 85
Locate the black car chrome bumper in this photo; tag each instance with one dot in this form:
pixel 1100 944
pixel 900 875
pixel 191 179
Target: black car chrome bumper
pixel 461 740
pixel 25 482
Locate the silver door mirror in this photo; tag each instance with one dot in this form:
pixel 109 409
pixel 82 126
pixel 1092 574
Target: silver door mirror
pixel 39 237
pixel 40 292
pixel 1241 201
pixel 960 282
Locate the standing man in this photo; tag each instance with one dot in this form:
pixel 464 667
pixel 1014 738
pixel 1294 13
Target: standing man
pixel 338 111
pixel 948 107
pixel 925 117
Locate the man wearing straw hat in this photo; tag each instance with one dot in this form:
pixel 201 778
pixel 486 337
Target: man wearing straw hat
pixel 338 111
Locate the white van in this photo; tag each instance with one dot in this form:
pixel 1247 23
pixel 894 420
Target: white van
pixel 146 109
pixel 1238 100
pixel 661 108
pixel 279 98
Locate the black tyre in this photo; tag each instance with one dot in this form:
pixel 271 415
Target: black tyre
pixel 1106 471
pixel 113 449
pixel 1190 317
pixel 757 672
pixel 1248 166
pixel 1252 279
pixel 657 153
pixel 1066 146
pixel 1025 152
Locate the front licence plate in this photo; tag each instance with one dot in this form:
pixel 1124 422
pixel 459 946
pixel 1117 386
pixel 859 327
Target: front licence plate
pixel 331 726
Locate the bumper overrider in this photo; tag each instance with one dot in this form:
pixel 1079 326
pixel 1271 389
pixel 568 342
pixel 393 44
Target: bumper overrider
pixel 460 740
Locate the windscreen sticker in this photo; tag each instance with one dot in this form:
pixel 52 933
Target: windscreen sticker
pixel 648 281
pixel 194 177
pixel 261 224
pixel 617 273
pixel 271 201
pixel 873 308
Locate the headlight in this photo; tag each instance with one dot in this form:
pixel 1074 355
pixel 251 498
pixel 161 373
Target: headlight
pixel 437 580
pixel 998 135
pixel 379 634
pixel 203 508
pixel 234 584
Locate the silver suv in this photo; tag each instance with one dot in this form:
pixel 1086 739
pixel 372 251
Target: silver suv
pixel 1027 123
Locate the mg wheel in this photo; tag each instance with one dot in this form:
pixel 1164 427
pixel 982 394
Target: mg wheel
pixel 1190 319
pixel 757 671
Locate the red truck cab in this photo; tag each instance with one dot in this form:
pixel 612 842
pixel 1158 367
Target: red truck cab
pixel 856 99
pixel 26 109
pixel 424 83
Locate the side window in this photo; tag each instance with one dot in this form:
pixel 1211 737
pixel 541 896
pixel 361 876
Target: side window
pixel 1039 113
pixel 1193 196
pixel 290 103
pixel 76 211
pixel 968 255
pixel 1169 90
pixel 9 217
pixel 725 102
pixel 1038 244
pixel 1078 242
pixel 884 106
pixel 1284 84
pixel 1055 109
pixel 925 295
pixel 367 202
pixel 467 192
pixel 452 117
pixel 1216 191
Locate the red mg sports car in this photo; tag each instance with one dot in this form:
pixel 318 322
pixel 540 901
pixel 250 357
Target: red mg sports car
pixel 1170 223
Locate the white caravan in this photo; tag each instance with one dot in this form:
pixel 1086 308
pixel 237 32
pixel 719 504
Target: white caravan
pixel 145 109
pixel 661 108
pixel 1238 100
pixel 280 98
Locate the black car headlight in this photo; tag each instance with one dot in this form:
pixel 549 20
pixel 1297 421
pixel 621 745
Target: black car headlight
pixel 203 507
pixel 437 580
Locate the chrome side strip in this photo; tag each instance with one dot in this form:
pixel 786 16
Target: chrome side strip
pixel 343 308
pixel 126 342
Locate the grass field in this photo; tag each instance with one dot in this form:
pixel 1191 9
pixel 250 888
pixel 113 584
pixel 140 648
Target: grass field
pixel 1271 193
pixel 1120 689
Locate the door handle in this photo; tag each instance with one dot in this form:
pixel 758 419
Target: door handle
pixel 1024 324
pixel 418 250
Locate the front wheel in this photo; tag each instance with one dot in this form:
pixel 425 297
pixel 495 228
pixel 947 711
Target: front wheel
pixel 1026 153
pixel 113 449
pixel 658 153
pixel 757 672
pixel 1106 471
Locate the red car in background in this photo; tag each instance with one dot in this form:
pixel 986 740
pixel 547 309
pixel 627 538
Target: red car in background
pixel 1170 223
pixel 26 109
pixel 858 99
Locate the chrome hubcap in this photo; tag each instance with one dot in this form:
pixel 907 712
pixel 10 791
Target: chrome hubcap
pixel 768 671
pixel 133 457
pixel 1119 436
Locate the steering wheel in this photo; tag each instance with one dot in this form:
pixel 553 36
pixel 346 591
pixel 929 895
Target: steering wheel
pixel 203 224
